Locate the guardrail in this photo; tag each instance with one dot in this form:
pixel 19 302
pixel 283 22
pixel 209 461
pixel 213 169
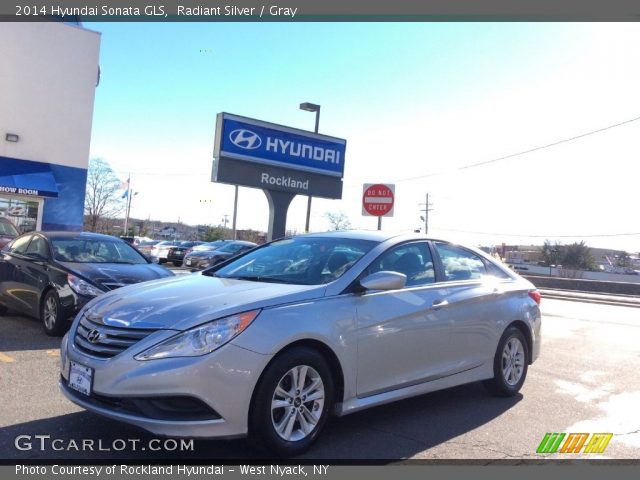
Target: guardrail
pixel 580 285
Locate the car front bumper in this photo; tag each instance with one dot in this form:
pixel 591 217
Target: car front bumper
pixel 222 380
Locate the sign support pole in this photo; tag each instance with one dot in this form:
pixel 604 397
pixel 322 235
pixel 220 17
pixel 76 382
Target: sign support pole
pixel 379 223
pixel 235 214
pixel 278 205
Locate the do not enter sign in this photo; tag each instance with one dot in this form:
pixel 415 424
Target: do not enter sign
pixel 378 199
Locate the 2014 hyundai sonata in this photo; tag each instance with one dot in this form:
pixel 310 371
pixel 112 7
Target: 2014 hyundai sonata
pixel 270 343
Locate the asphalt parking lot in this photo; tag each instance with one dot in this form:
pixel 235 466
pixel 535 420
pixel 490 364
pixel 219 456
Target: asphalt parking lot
pixel 586 380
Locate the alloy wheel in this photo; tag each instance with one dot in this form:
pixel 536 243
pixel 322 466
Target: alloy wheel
pixel 513 361
pixel 297 403
pixel 50 312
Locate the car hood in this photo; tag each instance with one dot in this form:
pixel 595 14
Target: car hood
pixel 114 275
pixel 187 301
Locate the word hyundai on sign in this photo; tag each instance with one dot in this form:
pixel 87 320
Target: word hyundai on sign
pixel 256 141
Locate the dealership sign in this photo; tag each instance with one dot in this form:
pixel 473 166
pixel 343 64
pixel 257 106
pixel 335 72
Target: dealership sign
pixel 265 155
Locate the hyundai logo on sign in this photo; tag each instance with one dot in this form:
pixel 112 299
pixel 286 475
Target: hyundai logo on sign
pixel 245 139
pixel 241 138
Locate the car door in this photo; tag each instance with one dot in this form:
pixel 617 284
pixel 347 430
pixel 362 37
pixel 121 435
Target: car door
pixel 403 335
pixel 12 277
pixel 474 308
pixel 35 271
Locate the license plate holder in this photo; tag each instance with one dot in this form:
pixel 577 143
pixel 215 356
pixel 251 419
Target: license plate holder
pixel 81 378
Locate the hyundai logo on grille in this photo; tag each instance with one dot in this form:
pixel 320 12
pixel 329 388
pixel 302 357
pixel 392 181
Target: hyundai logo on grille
pixel 245 139
pixel 94 336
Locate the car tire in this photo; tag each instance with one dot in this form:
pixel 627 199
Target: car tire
pixel 177 264
pixel 285 419
pixel 3 310
pixel 161 261
pixel 50 314
pixel 510 364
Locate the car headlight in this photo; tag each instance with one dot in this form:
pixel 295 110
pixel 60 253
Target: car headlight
pixel 83 288
pixel 200 340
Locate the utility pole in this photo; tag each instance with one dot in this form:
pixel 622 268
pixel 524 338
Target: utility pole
pixel 426 211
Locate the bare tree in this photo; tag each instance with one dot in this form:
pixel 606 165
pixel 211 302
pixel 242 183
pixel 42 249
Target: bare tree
pixel 338 220
pixel 102 199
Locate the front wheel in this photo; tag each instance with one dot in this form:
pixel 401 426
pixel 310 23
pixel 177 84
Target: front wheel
pixel 52 322
pixel 509 364
pixel 291 402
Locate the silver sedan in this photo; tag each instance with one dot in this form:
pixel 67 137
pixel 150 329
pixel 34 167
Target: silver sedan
pixel 270 343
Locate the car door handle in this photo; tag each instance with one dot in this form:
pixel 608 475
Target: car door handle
pixel 438 304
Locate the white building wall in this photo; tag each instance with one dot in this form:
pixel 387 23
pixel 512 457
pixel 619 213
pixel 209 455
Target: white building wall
pixel 48 78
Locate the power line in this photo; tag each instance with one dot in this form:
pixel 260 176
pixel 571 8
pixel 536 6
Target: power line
pixel 543 236
pixel 524 152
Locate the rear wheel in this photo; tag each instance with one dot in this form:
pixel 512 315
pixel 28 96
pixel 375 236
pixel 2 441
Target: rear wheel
pixel 509 364
pixel 3 310
pixel 292 402
pixel 53 324
pixel 177 264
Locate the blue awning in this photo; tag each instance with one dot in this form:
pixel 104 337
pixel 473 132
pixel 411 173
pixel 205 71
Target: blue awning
pixel 24 177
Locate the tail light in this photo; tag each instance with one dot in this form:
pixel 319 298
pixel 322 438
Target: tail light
pixel 535 295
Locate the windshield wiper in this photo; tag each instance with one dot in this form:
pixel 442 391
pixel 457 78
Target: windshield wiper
pixel 256 278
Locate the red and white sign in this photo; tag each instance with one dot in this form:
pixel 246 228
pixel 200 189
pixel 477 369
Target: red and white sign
pixel 378 199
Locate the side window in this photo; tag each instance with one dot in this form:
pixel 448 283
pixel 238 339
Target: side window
pixel 460 264
pixel 496 272
pixel 38 245
pixel 412 259
pixel 20 244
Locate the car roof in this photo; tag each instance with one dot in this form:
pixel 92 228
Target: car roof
pixel 375 235
pixel 79 235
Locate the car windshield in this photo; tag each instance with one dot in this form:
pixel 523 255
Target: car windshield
pixel 8 229
pixel 82 250
pixel 300 260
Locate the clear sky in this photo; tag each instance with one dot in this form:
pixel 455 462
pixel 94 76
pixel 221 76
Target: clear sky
pixel 415 101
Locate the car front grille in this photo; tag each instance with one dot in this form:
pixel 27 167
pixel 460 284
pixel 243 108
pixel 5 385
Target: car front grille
pixel 104 341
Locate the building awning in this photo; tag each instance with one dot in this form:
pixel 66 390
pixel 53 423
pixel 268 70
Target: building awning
pixel 24 177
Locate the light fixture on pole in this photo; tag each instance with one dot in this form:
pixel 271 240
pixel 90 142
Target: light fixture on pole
pixel 310 107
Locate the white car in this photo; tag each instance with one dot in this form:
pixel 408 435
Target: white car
pixel 160 251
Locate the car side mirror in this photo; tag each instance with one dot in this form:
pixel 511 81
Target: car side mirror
pixel 384 280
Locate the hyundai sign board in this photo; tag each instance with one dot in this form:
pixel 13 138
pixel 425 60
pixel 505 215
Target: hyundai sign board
pixel 275 157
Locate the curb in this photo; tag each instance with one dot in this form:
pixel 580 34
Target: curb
pixel 584 297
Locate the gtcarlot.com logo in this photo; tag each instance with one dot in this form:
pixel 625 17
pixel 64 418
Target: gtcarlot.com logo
pixel 44 443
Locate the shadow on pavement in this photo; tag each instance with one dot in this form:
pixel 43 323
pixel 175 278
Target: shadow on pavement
pixel 18 333
pixel 389 433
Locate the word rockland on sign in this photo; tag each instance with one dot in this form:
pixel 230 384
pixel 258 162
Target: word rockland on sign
pixel 284 181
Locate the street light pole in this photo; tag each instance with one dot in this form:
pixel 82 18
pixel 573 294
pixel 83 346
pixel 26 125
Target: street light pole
pixel 310 107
